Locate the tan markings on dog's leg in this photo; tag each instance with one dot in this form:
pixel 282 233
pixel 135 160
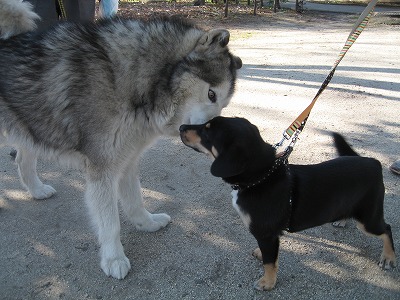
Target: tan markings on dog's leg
pixel 214 151
pixel 361 227
pixel 257 254
pixel 388 257
pixel 268 281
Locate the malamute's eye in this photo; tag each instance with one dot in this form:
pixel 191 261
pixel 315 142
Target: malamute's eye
pixel 212 96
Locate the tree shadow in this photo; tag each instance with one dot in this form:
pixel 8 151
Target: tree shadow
pixel 310 77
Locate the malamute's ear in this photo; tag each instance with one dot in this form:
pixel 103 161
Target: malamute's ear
pixel 219 36
pixel 213 41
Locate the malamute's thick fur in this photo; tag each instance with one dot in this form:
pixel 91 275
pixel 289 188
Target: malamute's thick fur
pixel 98 95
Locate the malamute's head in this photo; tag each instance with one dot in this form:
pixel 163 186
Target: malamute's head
pixel 205 79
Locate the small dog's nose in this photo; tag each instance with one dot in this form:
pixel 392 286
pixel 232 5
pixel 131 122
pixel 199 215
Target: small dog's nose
pixel 182 128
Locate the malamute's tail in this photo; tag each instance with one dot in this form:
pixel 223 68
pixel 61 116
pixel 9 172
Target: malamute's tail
pixel 16 17
pixel 342 147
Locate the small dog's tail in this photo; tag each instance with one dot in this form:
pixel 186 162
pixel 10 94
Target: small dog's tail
pixel 342 147
pixel 16 17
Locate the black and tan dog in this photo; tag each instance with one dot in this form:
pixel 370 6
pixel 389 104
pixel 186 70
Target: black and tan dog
pixel 271 197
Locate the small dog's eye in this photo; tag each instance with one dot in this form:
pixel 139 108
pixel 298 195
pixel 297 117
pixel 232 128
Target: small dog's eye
pixel 212 96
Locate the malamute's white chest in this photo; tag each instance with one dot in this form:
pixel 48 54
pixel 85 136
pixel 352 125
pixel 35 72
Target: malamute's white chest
pixel 244 216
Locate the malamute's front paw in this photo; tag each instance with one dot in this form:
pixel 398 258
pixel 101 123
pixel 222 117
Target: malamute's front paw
pixel 153 223
pixel 44 191
pixel 116 267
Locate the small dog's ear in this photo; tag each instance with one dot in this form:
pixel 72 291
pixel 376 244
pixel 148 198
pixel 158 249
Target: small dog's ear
pixel 227 165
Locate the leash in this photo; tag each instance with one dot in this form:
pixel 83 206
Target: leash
pixel 62 10
pixel 280 160
pixel 297 126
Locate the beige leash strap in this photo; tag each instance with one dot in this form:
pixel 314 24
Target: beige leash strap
pixel 297 126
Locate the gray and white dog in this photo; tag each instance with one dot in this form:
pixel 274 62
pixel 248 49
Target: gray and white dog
pixel 96 95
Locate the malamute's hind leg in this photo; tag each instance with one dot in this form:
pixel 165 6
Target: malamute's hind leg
pixel 101 192
pixel 26 161
pixel 130 194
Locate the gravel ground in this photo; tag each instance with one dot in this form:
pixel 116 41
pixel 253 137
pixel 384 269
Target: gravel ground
pixel 49 251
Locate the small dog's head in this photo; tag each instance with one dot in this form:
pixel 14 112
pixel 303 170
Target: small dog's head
pixel 235 143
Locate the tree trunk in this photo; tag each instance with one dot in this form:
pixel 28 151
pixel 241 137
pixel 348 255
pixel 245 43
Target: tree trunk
pixel 276 5
pixel 299 6
pixel 199 2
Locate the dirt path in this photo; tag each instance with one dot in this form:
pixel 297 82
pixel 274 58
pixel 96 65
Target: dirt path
pixel 47 248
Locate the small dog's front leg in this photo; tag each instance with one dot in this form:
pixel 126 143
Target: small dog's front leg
pixel 268 281
pixel 268 253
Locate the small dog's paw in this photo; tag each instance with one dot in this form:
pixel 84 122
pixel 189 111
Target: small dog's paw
pixel 43 192
pixel 154 222
pixel 339 223
pixel 265 284
pixel 387 263
pixel 116 267
pixel 257 254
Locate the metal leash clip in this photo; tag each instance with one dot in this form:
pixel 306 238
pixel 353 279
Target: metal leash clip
pixel 295 137
pixel 285 137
